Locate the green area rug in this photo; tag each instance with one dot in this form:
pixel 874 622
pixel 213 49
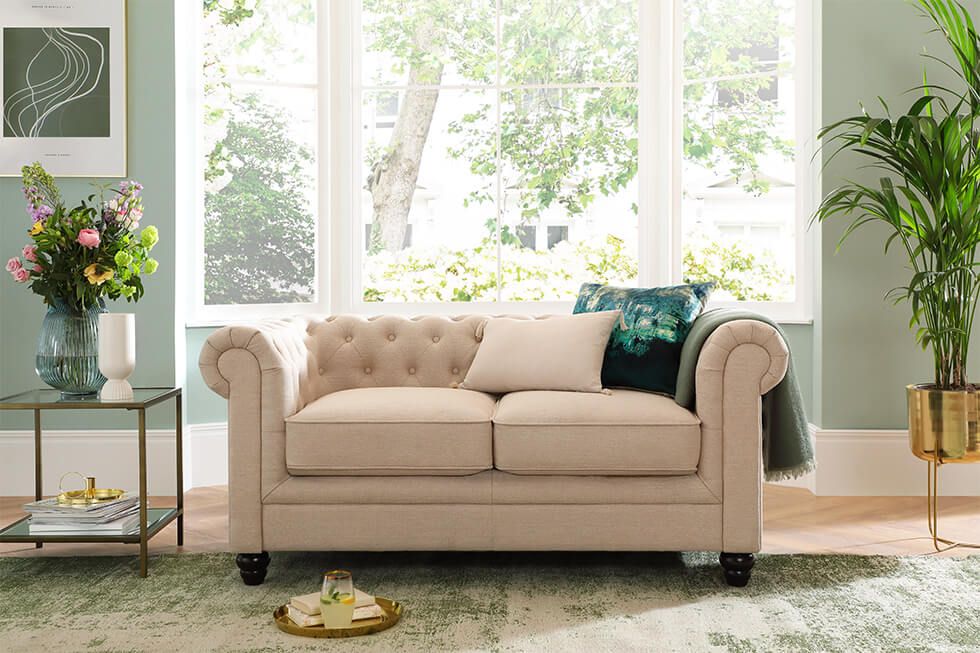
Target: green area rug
pixel 501 602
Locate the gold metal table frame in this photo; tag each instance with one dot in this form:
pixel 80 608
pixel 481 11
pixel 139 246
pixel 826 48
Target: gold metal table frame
pixel 152 520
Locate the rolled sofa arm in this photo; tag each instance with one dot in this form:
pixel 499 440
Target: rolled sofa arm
pixel 261 369
pixel 740 361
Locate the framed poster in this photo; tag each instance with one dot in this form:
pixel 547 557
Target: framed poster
pixel 63 87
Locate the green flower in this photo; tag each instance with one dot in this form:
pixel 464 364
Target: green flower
pixel 123 259
pixel 151 264
pixel 127 291
pixel 149 237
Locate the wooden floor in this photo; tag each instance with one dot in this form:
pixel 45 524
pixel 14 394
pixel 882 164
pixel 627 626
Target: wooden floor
pixel 795 522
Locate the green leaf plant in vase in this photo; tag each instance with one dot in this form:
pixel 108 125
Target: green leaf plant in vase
pixel 75 259
pixel 927 194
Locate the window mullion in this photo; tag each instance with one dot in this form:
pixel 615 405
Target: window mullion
pixel 499 166
pixel 657 147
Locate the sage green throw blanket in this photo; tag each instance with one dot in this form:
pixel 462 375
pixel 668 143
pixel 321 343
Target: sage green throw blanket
pixel 786 448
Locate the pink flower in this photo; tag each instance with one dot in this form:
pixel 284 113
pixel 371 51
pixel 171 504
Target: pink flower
pixel 13 265
pixel 89 238
pixel 37 268
pixel 21 275
pixel 30 253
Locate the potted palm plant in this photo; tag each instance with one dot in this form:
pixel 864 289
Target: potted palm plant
pixel 929 197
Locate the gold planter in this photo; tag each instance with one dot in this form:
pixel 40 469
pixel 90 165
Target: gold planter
pixel 943 428
pixel 944 425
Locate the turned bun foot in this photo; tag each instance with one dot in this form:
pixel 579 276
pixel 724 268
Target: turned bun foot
pixel 252 567
pixel 738 568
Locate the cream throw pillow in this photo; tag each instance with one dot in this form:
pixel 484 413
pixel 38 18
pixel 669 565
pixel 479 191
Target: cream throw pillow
pixel 557 353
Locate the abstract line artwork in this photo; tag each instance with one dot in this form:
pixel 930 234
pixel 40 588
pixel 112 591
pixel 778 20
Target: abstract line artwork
pixel 56 82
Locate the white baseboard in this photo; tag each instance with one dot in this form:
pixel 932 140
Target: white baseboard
pixel 208 460
pixel 850 462
pixel 878 462
pixel 112 456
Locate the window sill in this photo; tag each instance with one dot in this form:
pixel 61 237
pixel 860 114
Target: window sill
pixel 782 314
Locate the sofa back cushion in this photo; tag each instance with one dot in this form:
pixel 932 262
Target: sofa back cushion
pixel 351 351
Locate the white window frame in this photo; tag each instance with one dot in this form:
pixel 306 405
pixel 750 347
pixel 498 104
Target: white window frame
pixel 339 247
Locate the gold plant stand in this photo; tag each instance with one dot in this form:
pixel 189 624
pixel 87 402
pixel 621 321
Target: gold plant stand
pixel 944 427
pixel 932 510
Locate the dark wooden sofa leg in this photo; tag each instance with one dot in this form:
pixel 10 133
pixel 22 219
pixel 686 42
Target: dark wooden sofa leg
pixel 252 567
pixel 738 568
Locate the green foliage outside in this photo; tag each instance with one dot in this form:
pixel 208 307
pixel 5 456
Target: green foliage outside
pixel 251 258
pixel 738 273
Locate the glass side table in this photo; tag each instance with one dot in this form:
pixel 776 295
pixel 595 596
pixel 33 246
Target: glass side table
pixel 152 520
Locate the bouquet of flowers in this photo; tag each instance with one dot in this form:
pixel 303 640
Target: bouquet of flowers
pixel 81 254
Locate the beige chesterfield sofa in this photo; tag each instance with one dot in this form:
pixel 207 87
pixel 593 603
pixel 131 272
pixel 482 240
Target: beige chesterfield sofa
pixel 350 433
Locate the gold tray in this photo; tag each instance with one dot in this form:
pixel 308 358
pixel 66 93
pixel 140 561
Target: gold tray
pixel 392 613
pixel 89 497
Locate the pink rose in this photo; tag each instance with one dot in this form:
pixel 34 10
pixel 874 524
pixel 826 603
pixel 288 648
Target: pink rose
pixel 37 268
pixel 21 275
pixel 30 253
pixel 13 265
pixel 89 238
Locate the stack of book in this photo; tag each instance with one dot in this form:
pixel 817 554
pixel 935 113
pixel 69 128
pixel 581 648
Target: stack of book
pixel 305 610
pixel 119 517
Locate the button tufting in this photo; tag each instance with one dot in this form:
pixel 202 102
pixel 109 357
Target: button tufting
pixel 321 370
pixel 367 370
pixel 411 370
pixel 391 336
pixel 435 338
pixel 455 370
pixel 348 338
pixel 454 385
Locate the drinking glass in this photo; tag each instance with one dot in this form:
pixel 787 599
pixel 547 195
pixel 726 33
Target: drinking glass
pixel 337 599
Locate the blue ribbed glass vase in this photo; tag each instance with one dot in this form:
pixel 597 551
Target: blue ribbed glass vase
pixel 68 349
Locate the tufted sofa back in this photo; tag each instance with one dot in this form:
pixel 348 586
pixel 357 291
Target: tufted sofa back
pixel 351 351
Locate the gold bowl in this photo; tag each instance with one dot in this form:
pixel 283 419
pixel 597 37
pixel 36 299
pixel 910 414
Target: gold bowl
pixel 944 425
pixel 88 498
pixel 91 495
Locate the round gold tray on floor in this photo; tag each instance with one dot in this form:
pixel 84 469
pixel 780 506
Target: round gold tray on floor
pixel 392 613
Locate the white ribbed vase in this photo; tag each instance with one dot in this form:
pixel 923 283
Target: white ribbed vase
pixel 117 354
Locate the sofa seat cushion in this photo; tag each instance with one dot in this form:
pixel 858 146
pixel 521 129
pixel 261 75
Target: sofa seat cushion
pixel 624 433
pixel 392 432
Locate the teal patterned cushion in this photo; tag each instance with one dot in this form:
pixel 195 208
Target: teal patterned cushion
pixel 645 350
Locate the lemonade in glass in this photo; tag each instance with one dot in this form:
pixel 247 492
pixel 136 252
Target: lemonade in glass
pixel 337 599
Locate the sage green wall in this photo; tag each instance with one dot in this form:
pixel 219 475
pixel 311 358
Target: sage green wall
pixel 864 352
pixel 204 406
pixel 150 77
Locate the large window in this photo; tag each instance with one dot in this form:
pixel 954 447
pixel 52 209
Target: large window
pixel 425 155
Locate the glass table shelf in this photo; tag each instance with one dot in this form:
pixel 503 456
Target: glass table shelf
pixel 49 399
pixel 156 520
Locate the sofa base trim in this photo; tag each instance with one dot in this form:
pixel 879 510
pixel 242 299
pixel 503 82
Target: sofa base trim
pixel 491 487
pixel 459 527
